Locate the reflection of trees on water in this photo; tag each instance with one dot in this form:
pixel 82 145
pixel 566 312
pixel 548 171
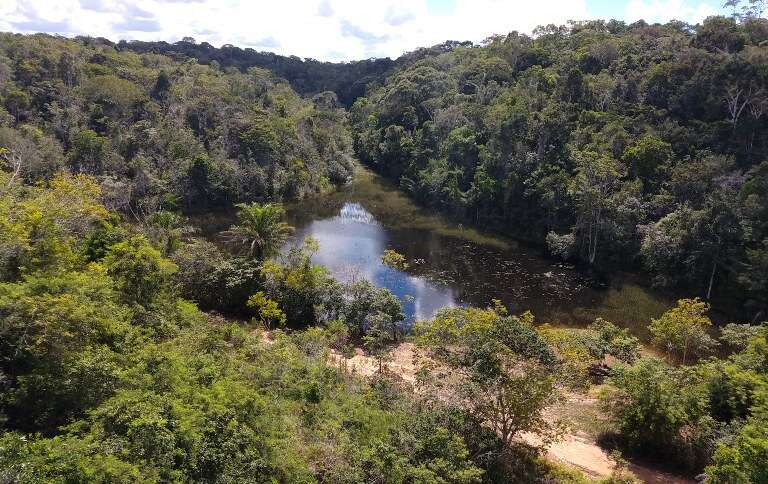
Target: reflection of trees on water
pixel 351 244
pixel 355 213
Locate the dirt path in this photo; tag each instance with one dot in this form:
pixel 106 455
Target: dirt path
pixel 576 449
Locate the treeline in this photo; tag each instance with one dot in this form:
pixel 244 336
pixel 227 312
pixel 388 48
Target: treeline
pixel 307 76
pixel 620 146
pixel 161 133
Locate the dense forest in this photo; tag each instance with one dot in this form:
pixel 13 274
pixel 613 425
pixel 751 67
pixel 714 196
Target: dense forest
pixel 307 76
pixel 163 134
pixel 621 146
pixel 132 349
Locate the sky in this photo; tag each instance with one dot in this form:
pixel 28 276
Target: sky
pixel 334 30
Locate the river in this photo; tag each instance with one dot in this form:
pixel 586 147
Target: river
pixel 452 265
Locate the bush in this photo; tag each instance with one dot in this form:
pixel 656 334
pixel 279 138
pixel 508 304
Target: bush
pixel 663 412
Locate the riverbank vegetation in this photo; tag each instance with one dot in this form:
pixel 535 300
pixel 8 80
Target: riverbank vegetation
pixel 619 146
pixel 109 375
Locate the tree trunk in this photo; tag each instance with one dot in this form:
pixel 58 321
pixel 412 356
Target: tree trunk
pixel 593 246
pixel 711 279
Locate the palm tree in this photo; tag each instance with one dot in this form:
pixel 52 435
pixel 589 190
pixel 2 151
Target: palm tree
pixel 260 229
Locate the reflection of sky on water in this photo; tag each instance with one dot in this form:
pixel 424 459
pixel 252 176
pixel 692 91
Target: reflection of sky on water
pixel 351 245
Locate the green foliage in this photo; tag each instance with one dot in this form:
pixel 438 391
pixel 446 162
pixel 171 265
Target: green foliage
pixel 738 336
pixel 267 311
pixel 615 341
pixel 60 334
pixel 113 93
pixel 501 364
pixel 139 271
pixel 44 228
pixel 89 153
pixel 259 141
pixel 663 410
pixel 613 144
pixel 165 230
pixel 708 414
pixel 365 307
pixel 299 286
pixel 574 352
pixel 647 160
pixel 377 336
pixel 393 259
pixel 159 128
pixel 618 145
pixel 744 460
pixel 576 349
pixel 214 281
pixel 63 459
pixel 682 330
pixel 16 101
pixel 482 333
pixel 108 377
pixel 260 230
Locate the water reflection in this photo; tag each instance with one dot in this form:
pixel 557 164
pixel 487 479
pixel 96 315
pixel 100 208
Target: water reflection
pixel 351 244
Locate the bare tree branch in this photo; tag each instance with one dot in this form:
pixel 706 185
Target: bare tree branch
pixel 13 159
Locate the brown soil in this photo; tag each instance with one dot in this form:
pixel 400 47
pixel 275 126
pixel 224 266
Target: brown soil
pixel 576 449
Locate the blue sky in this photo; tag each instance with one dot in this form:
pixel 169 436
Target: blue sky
pixel 327 29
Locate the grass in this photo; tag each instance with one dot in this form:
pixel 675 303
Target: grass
pixel 629 305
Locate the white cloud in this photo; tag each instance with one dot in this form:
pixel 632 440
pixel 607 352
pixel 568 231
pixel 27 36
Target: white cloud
pixel 666 10
pixel 322 29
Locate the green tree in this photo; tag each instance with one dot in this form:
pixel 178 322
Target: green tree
pixel 745 460
pixel 116 96
pixel 499 364
pixel 139 270
pixel 378 337
pixel 162 86
pixel 300 287
pixel 16 102
pixel 89 152
pixel 58 336
pixel 739 392
pixel 364 301
pixel 165 229
pixel 260 230
pixel 682 330
pixel 615 341
pixel 593 188
pixel 269 313
pixel 259 142
pixel 661 410
pixel 647 160
pixel 206 186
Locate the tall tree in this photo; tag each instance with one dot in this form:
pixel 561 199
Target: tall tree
pixel 593 188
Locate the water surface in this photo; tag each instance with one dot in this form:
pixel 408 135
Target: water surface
pixel 453 265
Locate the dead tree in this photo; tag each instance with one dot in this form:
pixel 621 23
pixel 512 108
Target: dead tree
pixel 736 98
pixel 14 161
